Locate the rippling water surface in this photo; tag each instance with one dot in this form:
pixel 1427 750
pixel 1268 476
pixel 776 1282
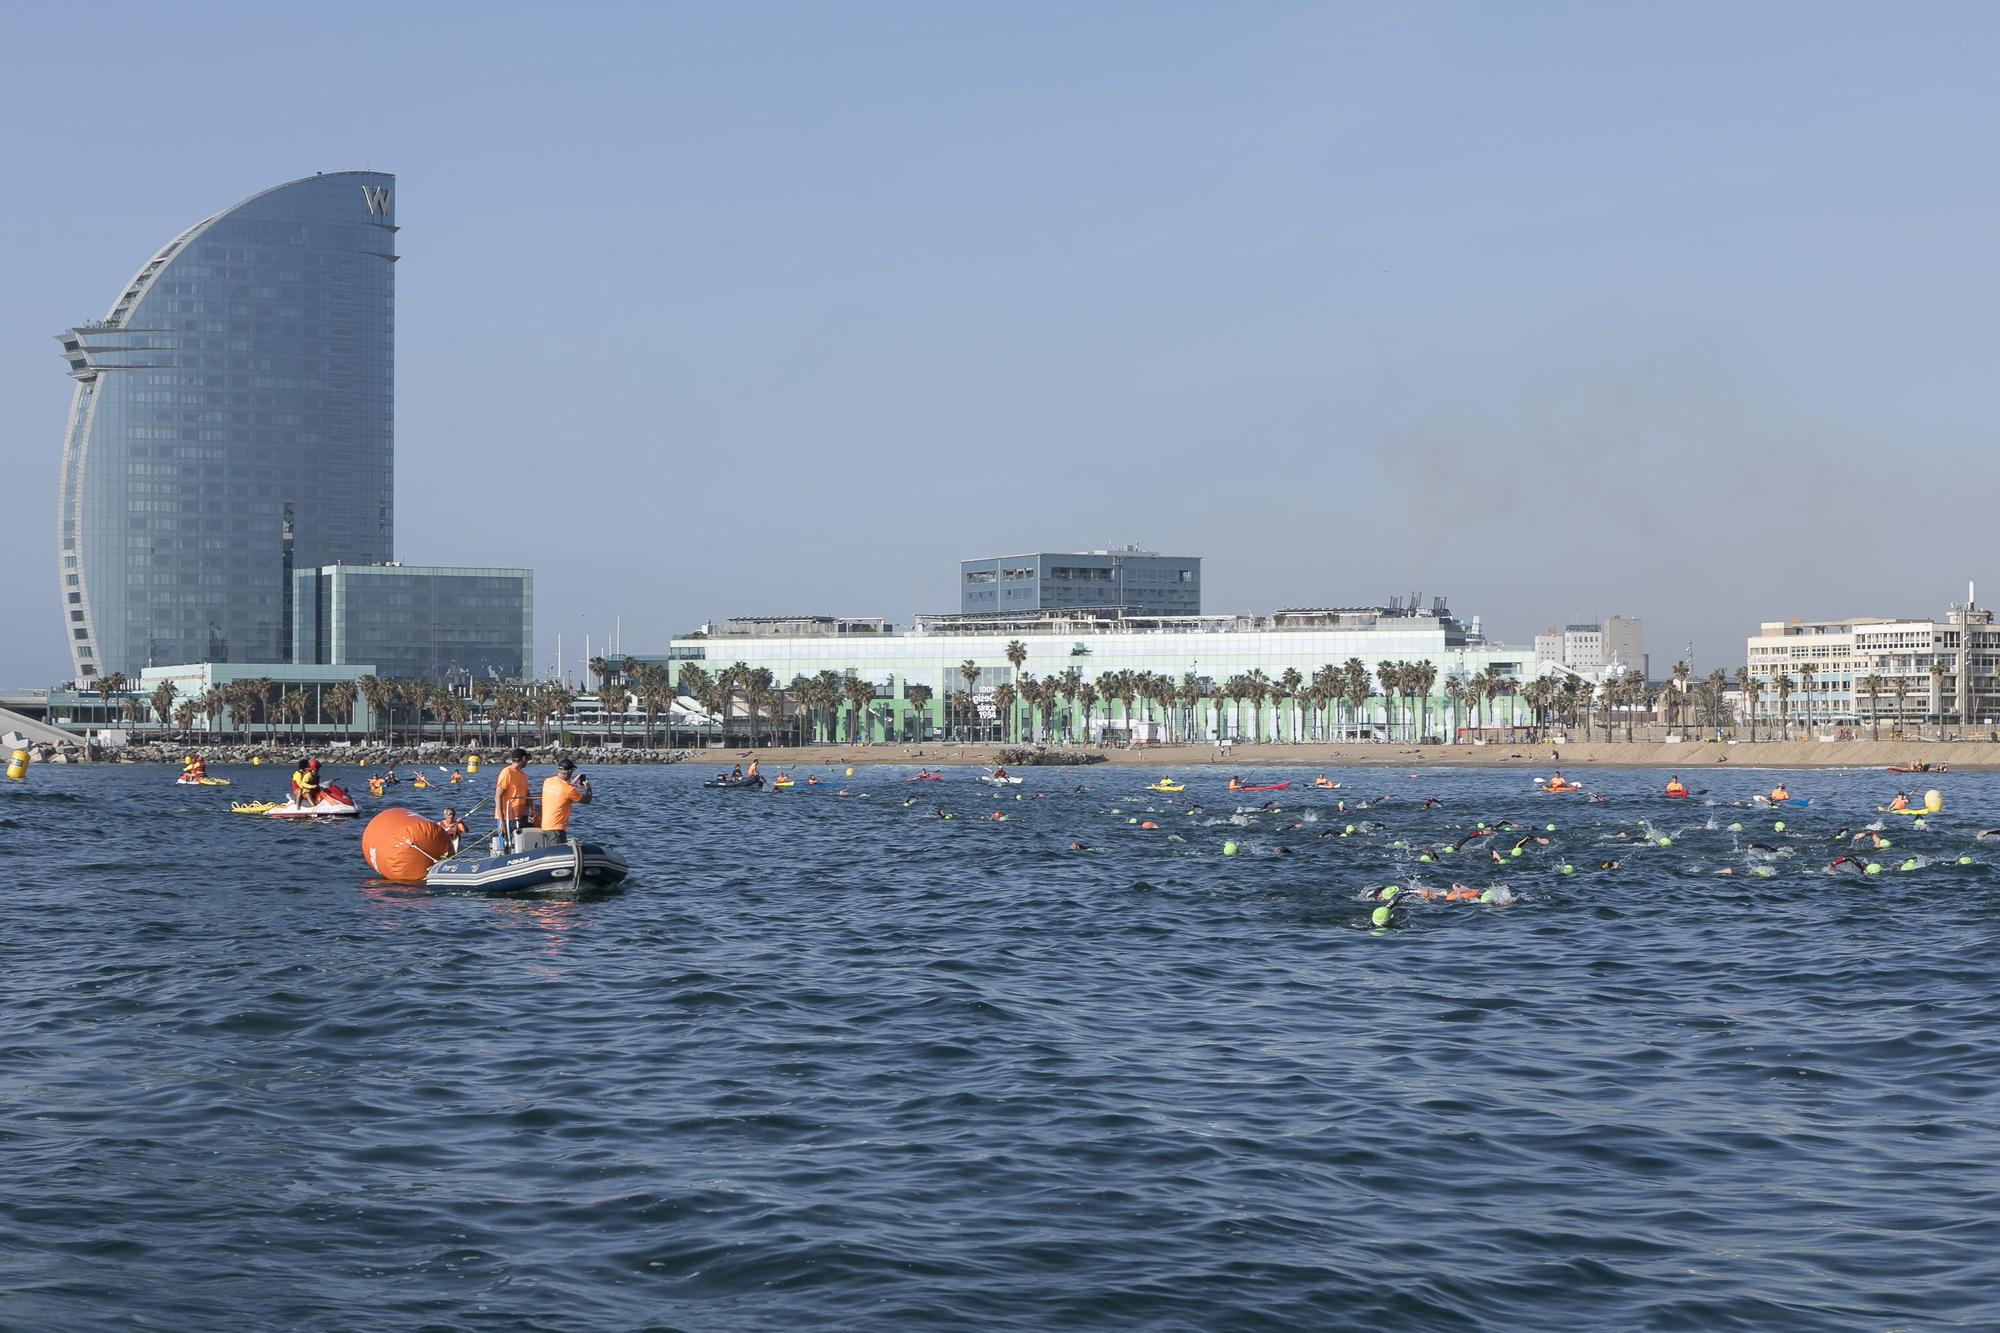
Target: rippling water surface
pixel 834 1061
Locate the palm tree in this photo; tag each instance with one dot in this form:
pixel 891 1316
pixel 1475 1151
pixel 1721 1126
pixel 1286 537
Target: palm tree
pixel 295 704
pixel 184 712
pixel 1355 687
pixel 1067 686
pixel 338 701
pixel 1871 685
pixel 1003 700
pixel 968 671
pixel 163 701
pixel 1783 684
pixel 1017 654
pixel 1806 673
pixel 919 699
pixel 1421 677
pixel 1681 673
pixel 1390 675
pixel 1900 687
pixel 859 693
pixel 1753 691
pixel 612 701
pixel 1086 698
pixel 1285 691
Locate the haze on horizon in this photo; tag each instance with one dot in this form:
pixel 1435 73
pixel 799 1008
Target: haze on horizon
pixel 1561 311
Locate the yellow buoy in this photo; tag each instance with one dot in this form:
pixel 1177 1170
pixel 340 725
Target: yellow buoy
pixel 850 772
pixel 1933 801
pixel 472 763
pixel 17 765
pixel 256 759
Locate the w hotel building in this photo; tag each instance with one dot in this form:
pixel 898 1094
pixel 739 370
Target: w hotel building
pixel 233 419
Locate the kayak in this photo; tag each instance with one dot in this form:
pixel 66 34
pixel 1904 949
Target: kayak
pixel 1569 789
pixel 1325 786
pixel 1167 786
pixel 926 777
pixel 782 782
pixel 990 780
pixel 745 784
pixel 1915 768
pixel 1795 800
pixel 1675 795
pixel 201 782
pixel 1259 786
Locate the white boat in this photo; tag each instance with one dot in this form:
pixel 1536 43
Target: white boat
pixel 992 780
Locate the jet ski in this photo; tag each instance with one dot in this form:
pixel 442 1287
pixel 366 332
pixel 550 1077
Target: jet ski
pixel 333 802
pixel 537 861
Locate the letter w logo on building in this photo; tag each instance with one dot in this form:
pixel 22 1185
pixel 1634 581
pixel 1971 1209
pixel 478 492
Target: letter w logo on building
pixel 377 198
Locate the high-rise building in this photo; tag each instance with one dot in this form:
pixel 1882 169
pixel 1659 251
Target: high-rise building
pixel 1127 579
pixel 416 622
pixel 233 420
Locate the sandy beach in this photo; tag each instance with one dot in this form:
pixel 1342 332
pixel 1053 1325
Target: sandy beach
pixel 1690 755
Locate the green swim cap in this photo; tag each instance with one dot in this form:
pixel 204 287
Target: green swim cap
pixel 1735 828
pixel 1552 828
pixel 1229 849
pixel 1965 860
pixel 1425 858
pixel 1885 843
pixel 1569 870
pixel 1763 872
pixel 1779 826
pixel 1516 851
pixel 1388 893
pixel 1398 845
pixel 1666 842
pixel 1874 868
pixel 1909 865
pixel 1350 828
pixel 1380 916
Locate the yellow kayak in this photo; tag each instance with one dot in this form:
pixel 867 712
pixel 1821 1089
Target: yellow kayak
pixel 201 782
pixel 1165 784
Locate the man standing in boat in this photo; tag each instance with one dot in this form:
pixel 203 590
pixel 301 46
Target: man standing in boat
pixel 559 792
pixel 510 797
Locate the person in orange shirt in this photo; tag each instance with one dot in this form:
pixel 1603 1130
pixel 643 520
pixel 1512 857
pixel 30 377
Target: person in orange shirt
pixel 559 793
pixel 453 826
pixel 510 796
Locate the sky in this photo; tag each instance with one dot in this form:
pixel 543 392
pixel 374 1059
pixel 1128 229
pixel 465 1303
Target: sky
pixel 1562 311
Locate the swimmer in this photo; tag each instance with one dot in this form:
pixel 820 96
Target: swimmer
pixel 1607 865
pixel 1988 833
pixel 1846 865
pixel 1839 834
pixel 1281 851
pixel 1430 803
pixel 1471 837
pixel 1760 847
pixel 1872 838
pixel 1075 846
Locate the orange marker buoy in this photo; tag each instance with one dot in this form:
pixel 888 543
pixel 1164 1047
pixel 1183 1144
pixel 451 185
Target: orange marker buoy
pixel 402 846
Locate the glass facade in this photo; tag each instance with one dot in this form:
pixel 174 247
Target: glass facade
pixel 233 420
pixel 415 622
pixel 1138 582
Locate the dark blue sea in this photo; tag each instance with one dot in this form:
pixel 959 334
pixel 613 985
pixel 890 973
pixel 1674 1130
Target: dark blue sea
pixel 833 1061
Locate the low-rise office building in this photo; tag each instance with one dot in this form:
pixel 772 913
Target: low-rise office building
pixel 963 661
pixel 416 622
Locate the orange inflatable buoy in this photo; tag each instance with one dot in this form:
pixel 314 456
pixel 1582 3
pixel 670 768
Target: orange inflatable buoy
pixel 402 846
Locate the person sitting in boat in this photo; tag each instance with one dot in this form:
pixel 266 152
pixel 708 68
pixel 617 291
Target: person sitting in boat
pixel 736 772
pixel 195 767
pixel 453 826
pixel 1675 787
pixel 1779 795
pixel 457 776
pixel 510 796
pixel 375 787
pixel 1235 784
pixel 305 783
pixel 563 789
pixel 1557 782
pixel 1900 801
pixel 751 771
pixel 1000 772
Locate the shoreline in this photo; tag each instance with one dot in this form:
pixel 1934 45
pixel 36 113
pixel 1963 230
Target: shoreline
pixel 1967 756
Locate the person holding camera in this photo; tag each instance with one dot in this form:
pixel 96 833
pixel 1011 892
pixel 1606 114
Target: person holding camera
pixel 564 789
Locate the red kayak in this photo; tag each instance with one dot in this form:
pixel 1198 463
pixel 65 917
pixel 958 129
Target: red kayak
pixel 926 777
pixel 1675 795
pixel 1262 786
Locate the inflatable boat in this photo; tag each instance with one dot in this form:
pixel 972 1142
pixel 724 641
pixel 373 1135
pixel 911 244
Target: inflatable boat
pixel 744 784
pixel 536 863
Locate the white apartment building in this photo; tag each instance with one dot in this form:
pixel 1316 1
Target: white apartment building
pixel 1597 651
pixel 1937 671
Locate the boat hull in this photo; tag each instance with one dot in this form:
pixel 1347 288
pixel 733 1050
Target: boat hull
pixel 542 870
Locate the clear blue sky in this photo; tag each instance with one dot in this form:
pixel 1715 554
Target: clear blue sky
pixel 1684 312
